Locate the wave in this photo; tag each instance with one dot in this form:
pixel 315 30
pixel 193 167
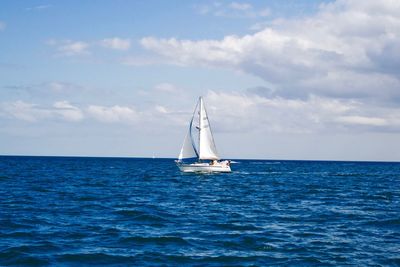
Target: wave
pixel 159 240
pixel 143 216
pixel 77 211
pixel 94 258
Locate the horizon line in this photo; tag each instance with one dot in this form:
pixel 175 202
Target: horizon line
pixel 172 158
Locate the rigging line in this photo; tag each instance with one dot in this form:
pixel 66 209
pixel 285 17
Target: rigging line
pixel 191 135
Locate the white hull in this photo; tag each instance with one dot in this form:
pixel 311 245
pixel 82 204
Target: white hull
pixel 205 148
pixel 204 167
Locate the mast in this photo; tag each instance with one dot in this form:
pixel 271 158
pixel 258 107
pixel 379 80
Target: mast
pixel 199 127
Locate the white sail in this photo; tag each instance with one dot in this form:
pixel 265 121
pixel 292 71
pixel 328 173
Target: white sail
pixel 187 150
pixel 207 149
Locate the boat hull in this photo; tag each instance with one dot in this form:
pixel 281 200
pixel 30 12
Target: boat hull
pixel 204 167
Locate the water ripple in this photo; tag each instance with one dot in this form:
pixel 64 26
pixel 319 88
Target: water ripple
pixel 144 212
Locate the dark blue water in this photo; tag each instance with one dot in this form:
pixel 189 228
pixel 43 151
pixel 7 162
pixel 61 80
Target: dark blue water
pixel 144 212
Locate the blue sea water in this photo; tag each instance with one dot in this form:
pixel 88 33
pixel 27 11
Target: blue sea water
pixel 143 212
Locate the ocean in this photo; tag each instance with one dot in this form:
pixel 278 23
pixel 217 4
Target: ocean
pixel 77 211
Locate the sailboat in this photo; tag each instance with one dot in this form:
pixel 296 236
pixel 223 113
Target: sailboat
pixel 199 145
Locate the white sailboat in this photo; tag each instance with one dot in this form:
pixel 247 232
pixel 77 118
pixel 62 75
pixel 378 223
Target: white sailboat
pixel 204 149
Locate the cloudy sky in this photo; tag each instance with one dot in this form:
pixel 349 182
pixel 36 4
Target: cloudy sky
pixel 296 79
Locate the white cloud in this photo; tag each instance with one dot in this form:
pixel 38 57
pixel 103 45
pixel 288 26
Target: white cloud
pixel 116 43
pixel 140 60
pixel 188 52
pixel 112 114
pixel 233 10
pixel 32 112
pixel 348 49
pixel 38 8
pixel 65 111
pixel 49 92
pixel 25 111
pixel 233 112
pixel 79 48
pixel 161 109
pixel 370 121
pixel 62 87
pixel 167 88
pixel 239 112
pixel 240 6
pixel 56 86
pixel 68 111
pixel 73 48
pixel 260 26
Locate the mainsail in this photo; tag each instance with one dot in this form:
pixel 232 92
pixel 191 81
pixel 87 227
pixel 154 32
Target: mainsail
pixel 206 147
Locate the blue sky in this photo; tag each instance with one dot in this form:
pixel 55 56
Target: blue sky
pixel 281 79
